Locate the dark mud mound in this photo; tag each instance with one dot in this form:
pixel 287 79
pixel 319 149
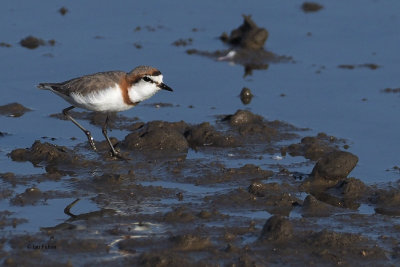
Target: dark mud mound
pixel 245 126
pixel 328 181
pixel 205 135
pixel 46 153
pixel 13 110
pixel 334 166
pixel 254 128
pixel 313 148
pixel 387 201
pixel 159 136
pixel 346 248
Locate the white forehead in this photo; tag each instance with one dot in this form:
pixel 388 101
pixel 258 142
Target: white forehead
pixel 157 79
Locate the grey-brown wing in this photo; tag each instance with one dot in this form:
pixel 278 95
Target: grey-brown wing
pixel 89 83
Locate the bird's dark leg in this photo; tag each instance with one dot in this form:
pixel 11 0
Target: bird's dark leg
pixel 104 130
pixel 88 134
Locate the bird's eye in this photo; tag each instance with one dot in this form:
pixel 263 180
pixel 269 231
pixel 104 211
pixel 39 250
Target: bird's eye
pixel 147 79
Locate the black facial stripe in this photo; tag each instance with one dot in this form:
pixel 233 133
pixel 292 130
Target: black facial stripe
pixel 148 79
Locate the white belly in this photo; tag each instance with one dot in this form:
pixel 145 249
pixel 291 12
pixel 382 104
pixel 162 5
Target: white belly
pixel 108 100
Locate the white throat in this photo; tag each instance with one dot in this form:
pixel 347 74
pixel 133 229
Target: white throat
pixel 143 90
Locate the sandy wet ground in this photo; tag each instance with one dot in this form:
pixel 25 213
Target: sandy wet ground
pixel 226 170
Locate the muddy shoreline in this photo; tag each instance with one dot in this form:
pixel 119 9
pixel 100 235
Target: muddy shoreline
pixel 163 208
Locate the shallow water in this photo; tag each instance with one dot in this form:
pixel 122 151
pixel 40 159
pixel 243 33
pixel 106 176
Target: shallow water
pixel 329 101
pixel 346 103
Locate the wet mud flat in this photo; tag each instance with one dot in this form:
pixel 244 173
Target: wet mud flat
pixel 179 201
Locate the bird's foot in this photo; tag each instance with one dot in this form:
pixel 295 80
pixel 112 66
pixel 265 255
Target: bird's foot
pixel 117 155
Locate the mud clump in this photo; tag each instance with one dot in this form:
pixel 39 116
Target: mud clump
pixel 45 152
pixel 277 229
pixel 13 110
pixel 221 174
pixel 183 42
pixel 247 36
pixel 159 136
pixel 6 220
pixel 345 194
pixel 311 7
pixel 32 42
pixel 205 135
pixel 243 117
pixel 353 188
pixel 163 259
pixel 190 242
pixel 339 246
pixel 334 166
pixel 311 147
pixel 312 207
pixel 29 197
pixel 275 198
pixel 387 201
pixel 179 215
pixel 253 128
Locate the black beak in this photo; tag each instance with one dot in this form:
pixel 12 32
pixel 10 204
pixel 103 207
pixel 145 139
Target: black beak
pixel 165 87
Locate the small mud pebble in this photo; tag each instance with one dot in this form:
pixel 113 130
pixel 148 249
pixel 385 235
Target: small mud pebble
pixel 183 42
pixel 246 95
pixel 63 10
pixel 2 44
pixel 391 90
pixel 137 46
pixel 32 42
pixel 371 66
pixel 311 7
